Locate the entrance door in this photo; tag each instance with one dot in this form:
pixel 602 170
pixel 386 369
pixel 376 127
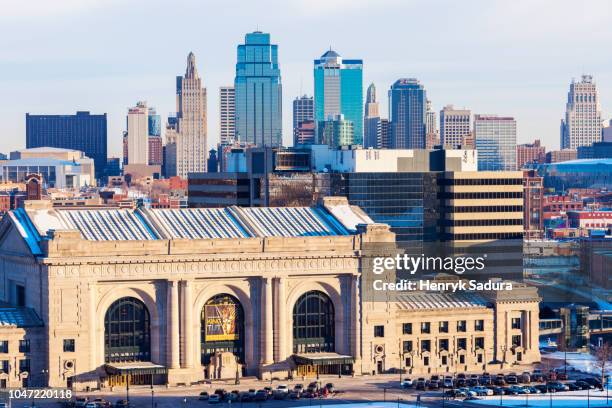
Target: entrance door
pixel 379 367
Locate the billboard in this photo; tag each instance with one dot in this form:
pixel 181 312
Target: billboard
pixel 221 322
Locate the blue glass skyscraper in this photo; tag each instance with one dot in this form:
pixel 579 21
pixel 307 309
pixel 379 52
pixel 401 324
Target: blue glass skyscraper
pixel 339 91
pixel 258 92
pixel 407 106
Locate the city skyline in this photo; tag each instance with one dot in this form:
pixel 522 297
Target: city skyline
pixel 533 93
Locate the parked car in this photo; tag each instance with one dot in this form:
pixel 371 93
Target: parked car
pixel 531 390
pixel 482 391
pixel 261 395
pixel 245 397
pixel 295 394
pixel 485 379
pixel 123 404
pixel 537 376
pixel 299 387
pixel 203 396
pixel 542 388
pixel 525 377
pixel 497 390
pixel 557 386
pixel 432 385
pixel 214 399
pixel 562 375
pixel 448 382
pixel 573 387
pixel 518 389
pixel 80 402
pixel 509 391
pixel 583 385
pixel 500 380
pixel 551 376
pixel 330 387
pixel 456 393
pixel 420 384
pixel 511 379
pixel 593 381
pixel 221 393
pixel 284 388
pixel 460 381
pixel 407 383
pixel 233 396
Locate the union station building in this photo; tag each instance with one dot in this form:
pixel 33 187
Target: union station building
pixel 175 296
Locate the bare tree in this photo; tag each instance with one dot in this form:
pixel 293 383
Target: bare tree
pixel 603 359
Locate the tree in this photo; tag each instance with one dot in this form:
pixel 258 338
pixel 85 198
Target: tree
pixel 603 359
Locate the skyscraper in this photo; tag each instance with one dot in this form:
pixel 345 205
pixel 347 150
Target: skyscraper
pixel 258 92
pixel 137 147
pixel 431 127
pixel 191 147
pixel 454 126
pixel 496 142
pixel 83 131
pixel 385 134
pixel 582 124
pixel 407 104
pixel 339 90
pixel 155 139
pixel 303 109
pixel 337 131
pixel 227 114
pixel 371 121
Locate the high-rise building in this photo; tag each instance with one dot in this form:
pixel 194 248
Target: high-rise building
pixel 155 151
pixel 169 149
pixel 371 121
pixel 338 86
pixel 83 132
pixel 454 126
pixel 495 139
pixel 432 138
pixel 303 110
pixel 385 134
pixel 530 153
pixel 191 147
pixel 582 124
pixel 258 92
pixel 137 138
pixel 337 131
pixel 227 114
pixel 407 104
pixel 305 133
pixel 533 201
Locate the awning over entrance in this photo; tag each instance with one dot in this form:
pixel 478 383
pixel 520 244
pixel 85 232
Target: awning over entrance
pixel 320 359
pixel 136 367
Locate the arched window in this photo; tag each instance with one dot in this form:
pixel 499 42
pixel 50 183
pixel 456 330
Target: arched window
pixel 127 335
pixel 222 327
pixel 313 323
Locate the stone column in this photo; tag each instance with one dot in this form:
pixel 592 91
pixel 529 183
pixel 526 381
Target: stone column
pixel 187 324
pixel 355 332
pixel 281 320
pixel 172 313
pixel 267 335
pixel 93 352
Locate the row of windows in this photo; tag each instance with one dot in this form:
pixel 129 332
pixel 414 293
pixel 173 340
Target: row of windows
pixel 482 223
pixel 24 366
pixel 483 182
pixel 487 235
pixel 443 344
pixel 443 327
pixel 483 195
pixel 24 346
pixel 444 360
pixel 486 208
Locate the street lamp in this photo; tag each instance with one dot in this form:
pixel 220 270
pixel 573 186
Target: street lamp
pixel 152 393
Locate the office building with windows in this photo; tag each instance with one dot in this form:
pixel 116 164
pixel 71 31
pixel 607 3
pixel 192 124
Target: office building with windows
pixel 338 85
pixel 83 131
pixel 407 106
pixel 303 110
pixel 337 131
pixel 495 139
pixel 455 126
pixel 227 115
pixel 258 92
pixel 530 154
pixel 371 121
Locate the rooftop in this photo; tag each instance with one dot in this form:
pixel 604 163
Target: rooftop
pixel 431 301
pixel 19 317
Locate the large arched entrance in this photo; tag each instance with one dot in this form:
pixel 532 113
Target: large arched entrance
pixel 222 327
pixel 313 323
pixel 127 338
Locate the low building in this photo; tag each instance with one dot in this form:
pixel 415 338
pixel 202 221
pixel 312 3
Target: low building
pixel 529 154
pixel 598 150
pixel 55 173
pixel 557 156
pixel 585 173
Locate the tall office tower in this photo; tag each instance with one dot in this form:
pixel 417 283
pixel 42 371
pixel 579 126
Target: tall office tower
pixel 582 124
pixel 454 126
pixel 137 139
pixel 530 153
pixel 258 92
pixel 337 132
pixel 339 90
pixel 191 148
pixel 385 134
pixel 495 138
pixel 155 157
pixel 303 110
pixel 371 121
pixel 169 165
pixel 83 131
pixel 227 114
pixel 407 104
pixel 431 127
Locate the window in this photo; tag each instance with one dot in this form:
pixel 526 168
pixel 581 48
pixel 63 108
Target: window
pixel 408 361
pixel 444 360
pixel 24 346
pixel 426 345
pixel 443 327
pixel 443 344
pixel 379 331
pixel 462 326
pixel 313 324
pixel 516 341
pixel 127 331
pixel 24 365
pixel 407 328
pixel 68 345
pixel 425 327
pixel 407 346
pixel 462 359
pixel 479 325
pixel 461 343
pixel 479 342
pixel 4 348
pixel 479 358
pixel 516 322
pixel 426 361
pixel 4 365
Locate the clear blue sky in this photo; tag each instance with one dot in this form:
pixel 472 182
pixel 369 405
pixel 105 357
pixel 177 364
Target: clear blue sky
pixel 505 57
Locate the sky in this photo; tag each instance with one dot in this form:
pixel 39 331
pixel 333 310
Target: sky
pixel 512 58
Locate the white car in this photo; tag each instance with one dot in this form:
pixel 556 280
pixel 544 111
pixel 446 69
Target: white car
pixel 283 388
pixel 448 382
pixel 407 383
